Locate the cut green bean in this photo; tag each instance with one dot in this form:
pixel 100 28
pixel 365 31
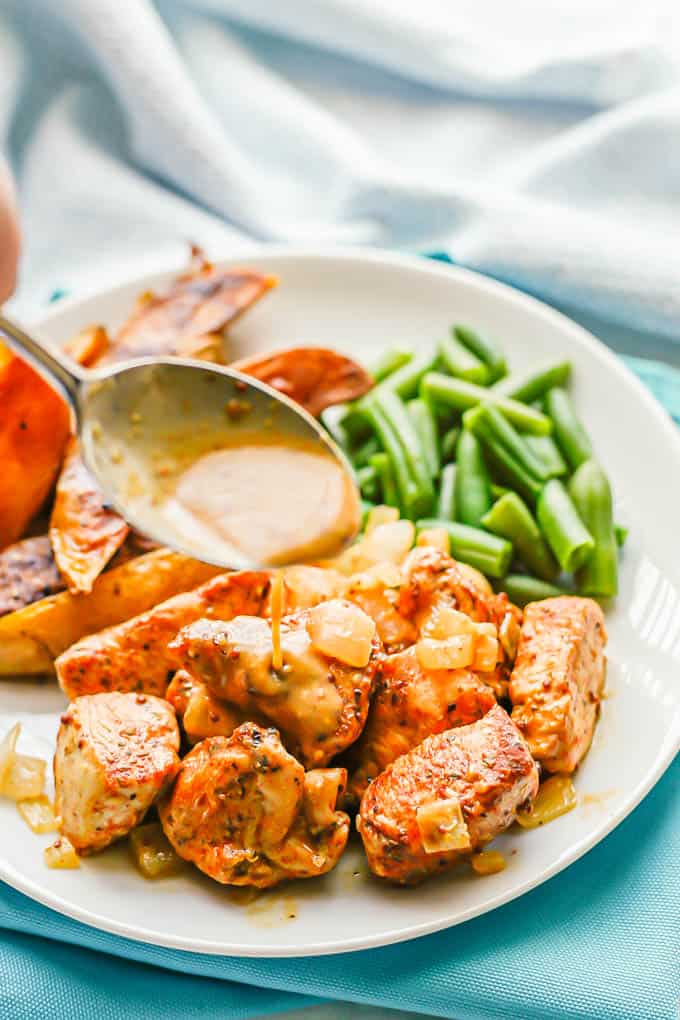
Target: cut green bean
pixel 486 350
pixel 621 534
pixel 388 362
pixel 572 438
pixel 473 485
pixel 592 496
pixel 398 417
pixel 382 465
pixel 497 491
pixel 461 362
pixel 505 468
pixel 521 589
pixel 461 395
pixel 361 456
pixel 548 452
pixel 529 386
pixel 423 419
pixel 511 518
pixel 368 483
pixel 446 498
pixel 562 527
pixel 449 442
pixel 486 552
pixel 406 485
pixel 487 422
pixel 366 507
pixel 406 380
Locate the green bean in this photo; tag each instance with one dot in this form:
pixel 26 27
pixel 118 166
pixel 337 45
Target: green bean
pixel 448 444
pixel 461 395
pixel 562 527
pixel 398 417
pixel 330 418
pixel 406 485
pixel 423 419
pixel 366 507
pixel 461 362
pixel 572 438
pixel 473 486
pixel 361 456
pixel 406 380
pixel 486 421
pixel 367 481
pixel 528 386
pixel 511 518
pixel 548 452
pixel 446 499
pixel 353 419
pixel 497 491
pixel 388 362
pixel 621 534
pixel 382 465
pixel 521 589
pixel 510 472
pixel 486 350
pixel 486 552
pixel 592 496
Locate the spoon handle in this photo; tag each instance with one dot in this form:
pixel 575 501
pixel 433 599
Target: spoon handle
pixel 60 372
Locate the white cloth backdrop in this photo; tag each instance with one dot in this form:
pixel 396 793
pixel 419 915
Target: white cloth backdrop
pixel 537 141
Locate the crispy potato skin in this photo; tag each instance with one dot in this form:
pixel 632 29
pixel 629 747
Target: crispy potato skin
pixel 487 766
pixel 115 754
pixel 27 573
pixel 134 655
pixel 558 679
pixel 34 428
pixel 408 705
pixel 84 532
pixel 32 638
pixel 244 811
pixel 314 377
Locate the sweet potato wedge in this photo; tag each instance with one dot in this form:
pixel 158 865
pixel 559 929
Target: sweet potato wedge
pixel 32 638
pixel 190 318
pixel 34 427
pixel 84 532
pixel 27 573
pixel 315 377
pixel 134 656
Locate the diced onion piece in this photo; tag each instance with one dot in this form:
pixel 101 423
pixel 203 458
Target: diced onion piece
pixel 206 716
pixel 475 578
pixel 38 814
pixel 444 622
pixel 489 862
pixel 385 574
pixel 380 515
pixel 449 653
pixel 442 827
pixel 342 631
pixel 389 542
pixel 486 653
pixel 25 779
pixel 509 632
pixel 306 586
pixel 61 854
pixel 7 746
pixel 152 853
pixel 555 797
pixel 438 538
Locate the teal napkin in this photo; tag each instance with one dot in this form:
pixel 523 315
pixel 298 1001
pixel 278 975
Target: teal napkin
pixel 601 941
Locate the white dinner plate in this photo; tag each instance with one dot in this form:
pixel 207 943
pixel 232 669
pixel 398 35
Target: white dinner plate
pixel 359 302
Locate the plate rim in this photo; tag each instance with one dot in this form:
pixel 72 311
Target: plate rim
pixel 670 746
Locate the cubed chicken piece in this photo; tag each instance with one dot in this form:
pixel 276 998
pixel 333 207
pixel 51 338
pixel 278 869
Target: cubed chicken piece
pixel 244 811
pixel 447 797
pixel 318 698
pixel 408 705
pixel 116 753
pixel 200 712
pixel 558 679
pixel 133 656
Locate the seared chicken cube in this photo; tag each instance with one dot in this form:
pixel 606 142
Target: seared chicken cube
pixel 133 656
pixel 244 811
pixel 409 704
pixel 558 679
pixel 200 712
pixel 447 797
pixel 319 696
pixel 116 753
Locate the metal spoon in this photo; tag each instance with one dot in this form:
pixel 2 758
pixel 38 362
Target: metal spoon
pixel 141 423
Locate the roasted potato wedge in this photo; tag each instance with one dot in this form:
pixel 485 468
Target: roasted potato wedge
pixel 315 377
pixel 189 319
pixel 32 638
pixel 27 573
pixel 84 532
pixel 34 427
